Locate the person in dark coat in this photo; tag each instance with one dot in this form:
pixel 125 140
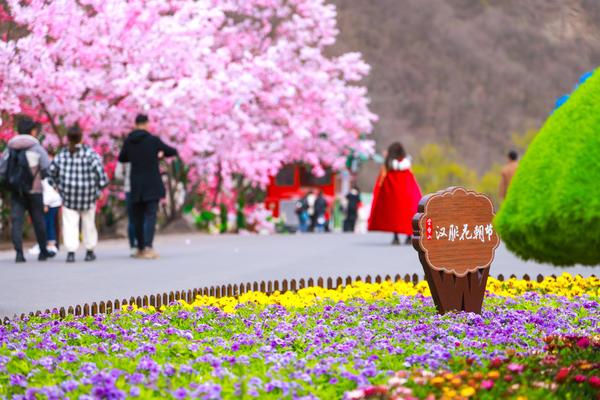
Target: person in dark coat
pixel 26 147
pixel 353 202
pixel 320 215
pixel 143 150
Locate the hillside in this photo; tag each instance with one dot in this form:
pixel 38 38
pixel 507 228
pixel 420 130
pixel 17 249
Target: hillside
pixel 468 73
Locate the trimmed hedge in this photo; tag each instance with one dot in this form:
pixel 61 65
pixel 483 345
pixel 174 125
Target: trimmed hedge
pixel 552 208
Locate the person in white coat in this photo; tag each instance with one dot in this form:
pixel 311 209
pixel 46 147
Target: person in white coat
pixel 52 203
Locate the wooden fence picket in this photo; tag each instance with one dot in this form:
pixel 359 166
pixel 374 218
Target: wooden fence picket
pixel 235 290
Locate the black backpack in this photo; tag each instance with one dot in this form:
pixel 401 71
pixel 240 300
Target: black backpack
pixel 18 177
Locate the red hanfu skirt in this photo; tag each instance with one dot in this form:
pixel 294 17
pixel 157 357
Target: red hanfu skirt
pixel 395 202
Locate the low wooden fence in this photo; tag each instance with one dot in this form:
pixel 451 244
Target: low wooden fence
pixel 268 287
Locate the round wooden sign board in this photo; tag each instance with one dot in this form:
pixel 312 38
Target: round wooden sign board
pixel 455 231
pixel 456 241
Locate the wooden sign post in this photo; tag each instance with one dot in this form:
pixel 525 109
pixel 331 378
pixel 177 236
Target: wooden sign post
pixel 456 241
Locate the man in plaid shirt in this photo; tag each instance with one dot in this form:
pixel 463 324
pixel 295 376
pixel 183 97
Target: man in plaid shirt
pixel 79 175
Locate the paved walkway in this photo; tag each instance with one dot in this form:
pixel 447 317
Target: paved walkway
pixel 196 260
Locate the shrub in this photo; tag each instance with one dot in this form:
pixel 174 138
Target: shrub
pixel 552 209
pixel 437 168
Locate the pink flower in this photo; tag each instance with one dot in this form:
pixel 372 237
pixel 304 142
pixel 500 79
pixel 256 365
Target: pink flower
pixel 595 381
pixel 514 367
pixel 583 342
pixel 580 378
pixel 496 363
pixel 562 375
pixel 549 360
pixel 374 390
pixel 487 384
pixel 226 96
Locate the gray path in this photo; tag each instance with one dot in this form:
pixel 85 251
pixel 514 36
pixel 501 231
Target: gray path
pixel 196 260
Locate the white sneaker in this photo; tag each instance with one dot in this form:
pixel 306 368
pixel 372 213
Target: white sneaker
pixel 35 250
pixel 133 251
pixel 53 249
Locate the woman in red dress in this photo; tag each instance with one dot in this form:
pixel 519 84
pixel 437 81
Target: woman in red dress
pixel 396 196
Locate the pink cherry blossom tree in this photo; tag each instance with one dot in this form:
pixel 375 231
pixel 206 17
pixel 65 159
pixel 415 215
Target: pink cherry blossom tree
pixel 239 86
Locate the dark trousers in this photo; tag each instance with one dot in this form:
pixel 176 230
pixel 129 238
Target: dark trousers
pixel 34 205
pixel 144 213
pixel 50 219
pixel 350 223
pixel 131 223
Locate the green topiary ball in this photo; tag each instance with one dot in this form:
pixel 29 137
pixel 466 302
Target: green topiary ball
pixel 552 208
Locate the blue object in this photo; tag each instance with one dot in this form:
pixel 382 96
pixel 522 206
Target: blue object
pixel 585 77
pixel 563 99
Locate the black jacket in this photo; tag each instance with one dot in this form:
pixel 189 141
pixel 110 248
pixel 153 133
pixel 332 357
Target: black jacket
pixel 320 206
pixel 141 150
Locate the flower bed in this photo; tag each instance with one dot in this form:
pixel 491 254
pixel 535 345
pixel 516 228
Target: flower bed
pixel 316 343
pixel 564 370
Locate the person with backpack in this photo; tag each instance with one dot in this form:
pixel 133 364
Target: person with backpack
pixel 301 210
pixel 79 174
pixel 22 167
pixel 143 150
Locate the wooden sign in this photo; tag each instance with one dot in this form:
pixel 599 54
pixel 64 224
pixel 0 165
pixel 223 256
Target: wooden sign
pixel 456 241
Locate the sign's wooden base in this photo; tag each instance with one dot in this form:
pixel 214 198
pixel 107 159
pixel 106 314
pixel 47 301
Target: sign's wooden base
pixel 457 293
pixel 456 241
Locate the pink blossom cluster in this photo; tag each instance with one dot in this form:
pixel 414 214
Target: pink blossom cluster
pixel 239 86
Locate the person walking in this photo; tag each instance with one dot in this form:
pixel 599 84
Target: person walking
pixel 508 171
pixel 22 167
pixel 302 213
pixel 123 173
pixel 52 203
pixel 311 197
pixel 143 150
pixel 79 175
pixel 396 196
pixel 322 224
pixel 352 205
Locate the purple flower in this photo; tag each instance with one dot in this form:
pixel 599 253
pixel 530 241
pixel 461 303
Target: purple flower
pixel 180 393
pixel 148 364
pixel 88 368
pixel 136 378
pixel 186 369
pixel 69 385
pixel 18 380
pixel 168 370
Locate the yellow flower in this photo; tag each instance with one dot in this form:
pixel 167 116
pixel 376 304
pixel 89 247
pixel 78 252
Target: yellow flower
pixel 493 374
pixel 437 381
pixel 565 285
pixel 467 392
